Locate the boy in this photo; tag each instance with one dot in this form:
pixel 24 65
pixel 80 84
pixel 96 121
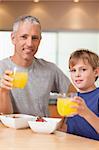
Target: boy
pixel 84 71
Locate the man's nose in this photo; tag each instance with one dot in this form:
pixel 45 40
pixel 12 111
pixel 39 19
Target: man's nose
pixel 29 41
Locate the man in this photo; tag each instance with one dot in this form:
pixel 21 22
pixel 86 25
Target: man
pixel 44 77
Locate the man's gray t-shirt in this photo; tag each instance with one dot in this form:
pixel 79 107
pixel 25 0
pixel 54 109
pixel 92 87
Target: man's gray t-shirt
pixel 44 77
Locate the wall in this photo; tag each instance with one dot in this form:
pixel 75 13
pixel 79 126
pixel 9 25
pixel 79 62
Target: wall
pixel 54 16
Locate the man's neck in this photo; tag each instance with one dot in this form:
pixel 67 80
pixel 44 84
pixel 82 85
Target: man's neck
pixel 21 62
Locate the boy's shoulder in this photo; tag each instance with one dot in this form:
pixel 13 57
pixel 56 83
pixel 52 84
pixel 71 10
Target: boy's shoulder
pixel 90 95
pixel 97 89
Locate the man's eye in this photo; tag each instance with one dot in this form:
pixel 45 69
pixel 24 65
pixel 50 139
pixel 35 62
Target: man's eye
pixel 35 38
pixel 23 37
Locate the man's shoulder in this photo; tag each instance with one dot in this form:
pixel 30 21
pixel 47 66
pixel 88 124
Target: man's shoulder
pixel 45 63
pixel 4 64
pixel 4 60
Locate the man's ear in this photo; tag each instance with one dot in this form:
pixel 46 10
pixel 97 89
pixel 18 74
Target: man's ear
pixel 13 38
pixel 41 37
pixel 98 71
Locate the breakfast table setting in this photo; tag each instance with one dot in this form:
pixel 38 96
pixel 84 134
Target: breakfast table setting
pixel 18 136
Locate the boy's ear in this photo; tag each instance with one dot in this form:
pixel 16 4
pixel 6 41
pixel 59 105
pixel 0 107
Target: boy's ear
pixel 97 72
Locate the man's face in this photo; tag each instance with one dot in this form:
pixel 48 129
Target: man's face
pixel 83 76
pixel 26 41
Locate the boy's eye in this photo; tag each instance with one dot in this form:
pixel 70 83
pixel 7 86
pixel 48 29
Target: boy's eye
pixel 73 70
pixel 84 69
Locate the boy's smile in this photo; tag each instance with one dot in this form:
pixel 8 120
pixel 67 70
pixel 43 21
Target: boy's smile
pixel 78 81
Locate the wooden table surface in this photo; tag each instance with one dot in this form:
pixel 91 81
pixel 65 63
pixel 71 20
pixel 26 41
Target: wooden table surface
pixel 26 139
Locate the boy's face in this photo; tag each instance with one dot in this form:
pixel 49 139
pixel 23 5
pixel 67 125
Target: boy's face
pixel 83 76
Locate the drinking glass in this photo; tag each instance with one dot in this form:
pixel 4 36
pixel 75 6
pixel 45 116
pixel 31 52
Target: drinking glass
pixel 20 78
pixel 65 103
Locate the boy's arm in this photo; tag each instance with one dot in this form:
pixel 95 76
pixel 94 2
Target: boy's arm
pixel 93 120
pixel 63 127
pixel 86 113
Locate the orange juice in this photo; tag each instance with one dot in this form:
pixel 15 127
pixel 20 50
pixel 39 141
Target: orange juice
pixel 64 106
pixel 19 79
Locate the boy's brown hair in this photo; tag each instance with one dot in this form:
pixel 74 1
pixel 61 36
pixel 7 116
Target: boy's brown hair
pixel 86 55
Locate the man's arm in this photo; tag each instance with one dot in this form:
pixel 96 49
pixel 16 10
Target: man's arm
pixel 5 102
pixel 71 89
pixel 5 87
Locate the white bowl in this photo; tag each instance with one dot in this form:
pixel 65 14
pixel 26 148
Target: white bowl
pixel 16 121
pixel 49 126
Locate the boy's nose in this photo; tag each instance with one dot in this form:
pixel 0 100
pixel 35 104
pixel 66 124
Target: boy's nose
pixel 77 74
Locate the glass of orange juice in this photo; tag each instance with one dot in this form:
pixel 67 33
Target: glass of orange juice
pixel 64 105
pixel 20 78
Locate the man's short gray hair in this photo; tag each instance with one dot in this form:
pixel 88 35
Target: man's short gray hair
pixel 31 19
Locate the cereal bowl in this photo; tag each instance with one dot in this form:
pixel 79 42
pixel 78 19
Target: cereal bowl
pixel 49 125
pixel 16 121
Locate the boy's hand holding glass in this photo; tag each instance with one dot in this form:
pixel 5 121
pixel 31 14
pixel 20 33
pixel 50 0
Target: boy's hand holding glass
pixel 66 106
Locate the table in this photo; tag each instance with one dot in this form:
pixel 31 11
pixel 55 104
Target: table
pixel 26 139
